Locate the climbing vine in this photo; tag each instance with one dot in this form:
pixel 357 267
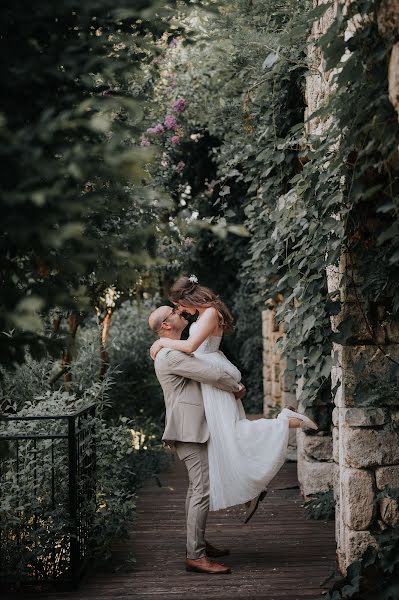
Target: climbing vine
pixel 308 197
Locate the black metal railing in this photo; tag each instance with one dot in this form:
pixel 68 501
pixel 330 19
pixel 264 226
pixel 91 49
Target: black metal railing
pixel 47 497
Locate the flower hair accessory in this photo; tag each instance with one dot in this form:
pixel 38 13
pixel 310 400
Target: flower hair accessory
pixel 193 279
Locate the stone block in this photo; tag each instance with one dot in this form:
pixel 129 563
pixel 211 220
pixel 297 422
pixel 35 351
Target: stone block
pixel 369 447
pixel 292 447
pixel 335 416
pixel 291 455
pixel 292 438
pixel 356 543
pixel 338 522
pixel 300 440
pixel 392 333
pixel 265 314
pixel 266 349
pixel 316 447
pixel 336 380
pixel 360 333
pixel 314 476
pixel 362 363
pixel 267 373
pixel 267 324
pixel 389 510
pixel 335 436
pixel 289 399
pixel 267 403
pixel 395 417
pixel 288 380
pixel 336 371
pixel 299 387
pixel 336 480
pixel 333 278
pixel 387 476
pixel 388 17
pixel 267 409
pixel 276 371
pixel 266 365
pixel 357 488
pixel 339 396
pixel 276 389
pixel 267 388
pixel 364 417
pixel 275 359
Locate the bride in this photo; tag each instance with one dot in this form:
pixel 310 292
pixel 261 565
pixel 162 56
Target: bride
pixel 243 455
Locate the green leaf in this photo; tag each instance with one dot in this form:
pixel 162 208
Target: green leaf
pixel 344 331
pixel 270 60
pixel 308 324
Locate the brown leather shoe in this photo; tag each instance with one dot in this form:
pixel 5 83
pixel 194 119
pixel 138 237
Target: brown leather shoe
pixel 203 565
pixel 213 552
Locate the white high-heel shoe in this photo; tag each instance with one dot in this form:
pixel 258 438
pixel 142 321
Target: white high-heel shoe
pixel 291 414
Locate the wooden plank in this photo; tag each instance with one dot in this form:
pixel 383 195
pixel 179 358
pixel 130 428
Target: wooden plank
pixel 279 555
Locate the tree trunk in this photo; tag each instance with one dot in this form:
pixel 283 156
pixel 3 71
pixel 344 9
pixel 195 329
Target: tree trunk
pixel 106 322
pixel 74 319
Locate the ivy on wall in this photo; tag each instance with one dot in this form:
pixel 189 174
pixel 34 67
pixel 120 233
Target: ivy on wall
pixel 307 199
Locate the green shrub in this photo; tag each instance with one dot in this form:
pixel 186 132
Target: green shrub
pixel 375 576
pixel 127 449
pixel 136 391
pixel 321 506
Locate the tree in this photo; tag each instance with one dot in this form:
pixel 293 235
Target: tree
pixel 75 213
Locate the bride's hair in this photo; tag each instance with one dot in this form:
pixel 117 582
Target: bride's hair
pixel 187 292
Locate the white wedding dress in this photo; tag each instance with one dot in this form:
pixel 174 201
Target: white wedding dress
pixel 243 455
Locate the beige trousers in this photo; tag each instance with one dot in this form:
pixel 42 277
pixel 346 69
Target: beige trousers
pixel 195 457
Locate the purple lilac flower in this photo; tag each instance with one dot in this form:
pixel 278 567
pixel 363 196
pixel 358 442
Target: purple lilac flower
pixel 145 141
pixel 156 129
pixel 170 122
pixel 175 140
pixel 173 43
pixel 179 105
pixel 180 165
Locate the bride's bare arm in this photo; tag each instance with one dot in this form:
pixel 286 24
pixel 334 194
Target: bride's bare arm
pixel 207 324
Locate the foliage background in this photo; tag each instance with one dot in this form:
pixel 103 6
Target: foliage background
pixel 99 210
pixel 128 427
pixel 244 156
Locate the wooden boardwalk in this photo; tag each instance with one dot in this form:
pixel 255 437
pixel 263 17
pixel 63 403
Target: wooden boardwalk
pixel 279 555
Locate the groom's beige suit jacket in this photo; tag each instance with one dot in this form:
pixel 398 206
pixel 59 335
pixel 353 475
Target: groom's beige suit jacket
pixel 180 376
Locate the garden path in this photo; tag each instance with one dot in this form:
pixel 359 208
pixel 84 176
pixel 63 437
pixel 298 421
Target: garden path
pixel 279 555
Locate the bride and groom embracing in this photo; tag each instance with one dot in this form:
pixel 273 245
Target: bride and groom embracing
pixel 229 459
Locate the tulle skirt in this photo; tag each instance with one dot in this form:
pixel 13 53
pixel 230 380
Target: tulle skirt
pixel 243 455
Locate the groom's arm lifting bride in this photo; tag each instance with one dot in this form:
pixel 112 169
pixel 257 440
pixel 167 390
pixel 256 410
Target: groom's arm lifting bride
pixel 186 429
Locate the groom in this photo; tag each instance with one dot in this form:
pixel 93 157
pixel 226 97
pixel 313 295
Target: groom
pixel 180 376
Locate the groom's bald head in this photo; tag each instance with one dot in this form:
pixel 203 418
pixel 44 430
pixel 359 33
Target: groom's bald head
pixel 166 321
pixel 157 316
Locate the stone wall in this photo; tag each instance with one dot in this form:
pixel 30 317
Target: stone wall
pixel 315 460
pixel 278 385
pixel 362 455
pixel 388 25
pixel 365 428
